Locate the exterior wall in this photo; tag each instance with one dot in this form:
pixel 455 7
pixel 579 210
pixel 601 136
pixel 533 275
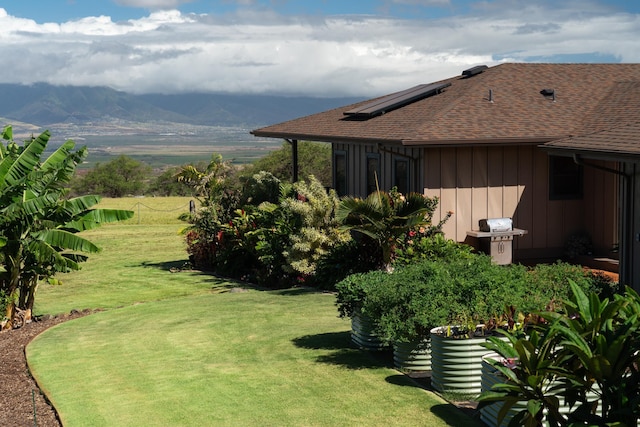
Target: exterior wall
pixel 357 166
pixel 488 182
pixel 506 181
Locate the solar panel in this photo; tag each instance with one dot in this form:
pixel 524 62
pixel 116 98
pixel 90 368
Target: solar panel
pixel 396 100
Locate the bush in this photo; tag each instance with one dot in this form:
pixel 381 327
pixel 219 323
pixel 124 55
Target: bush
pixel 353 256
pixel 352 292
pixel 422 246
pixel 549 285
pixel 465 289
pixel 458 288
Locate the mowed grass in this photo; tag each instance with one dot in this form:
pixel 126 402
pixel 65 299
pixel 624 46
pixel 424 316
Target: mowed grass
pixel 180 349
pixel 135 263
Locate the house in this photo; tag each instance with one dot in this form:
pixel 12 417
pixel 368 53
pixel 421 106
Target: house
pixel 554 146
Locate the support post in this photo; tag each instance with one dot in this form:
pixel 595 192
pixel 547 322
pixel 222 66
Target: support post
pixel 294 156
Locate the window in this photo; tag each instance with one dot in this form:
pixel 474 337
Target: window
pixel 340 172
pixel 565 178
pixel 373 172
pixel 401 175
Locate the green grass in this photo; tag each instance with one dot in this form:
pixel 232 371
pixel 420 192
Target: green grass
pixel 179 349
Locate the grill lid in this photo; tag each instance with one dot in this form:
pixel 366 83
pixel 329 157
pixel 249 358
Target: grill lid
pixel 496 224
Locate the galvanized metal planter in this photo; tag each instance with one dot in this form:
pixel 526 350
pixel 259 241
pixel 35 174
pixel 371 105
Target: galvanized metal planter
pixel 364 336
pixel 412 356
pixel 456 363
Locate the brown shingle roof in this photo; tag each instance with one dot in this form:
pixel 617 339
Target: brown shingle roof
pixel 620 141
pixel 588 98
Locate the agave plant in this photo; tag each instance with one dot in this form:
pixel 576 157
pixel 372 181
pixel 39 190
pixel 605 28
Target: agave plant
pixel 38 224
pixel 386 217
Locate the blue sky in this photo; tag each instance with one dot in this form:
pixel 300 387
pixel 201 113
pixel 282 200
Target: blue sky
pixel 300 47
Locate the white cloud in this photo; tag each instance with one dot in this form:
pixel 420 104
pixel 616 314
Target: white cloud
pixel 258 52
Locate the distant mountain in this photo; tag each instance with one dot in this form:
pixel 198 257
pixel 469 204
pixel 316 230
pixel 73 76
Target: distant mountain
pixel 46 105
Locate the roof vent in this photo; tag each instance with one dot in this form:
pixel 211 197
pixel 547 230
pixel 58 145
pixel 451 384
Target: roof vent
pixel 549 93
pixel 474 70
pixel 395 100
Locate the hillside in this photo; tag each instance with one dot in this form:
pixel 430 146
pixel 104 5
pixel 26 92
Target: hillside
pixel 44 105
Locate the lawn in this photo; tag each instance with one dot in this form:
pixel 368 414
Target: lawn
pixel 180 348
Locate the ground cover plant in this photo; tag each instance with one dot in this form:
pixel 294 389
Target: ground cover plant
pixel 178 347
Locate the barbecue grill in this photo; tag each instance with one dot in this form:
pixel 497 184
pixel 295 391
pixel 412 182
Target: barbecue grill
pixel 496 238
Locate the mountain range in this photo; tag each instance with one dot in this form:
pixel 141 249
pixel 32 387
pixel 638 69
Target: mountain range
pixel 45 105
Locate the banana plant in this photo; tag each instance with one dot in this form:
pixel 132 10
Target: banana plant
pixel 38 223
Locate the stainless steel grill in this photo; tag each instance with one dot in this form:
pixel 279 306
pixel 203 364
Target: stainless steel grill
pixel 496 238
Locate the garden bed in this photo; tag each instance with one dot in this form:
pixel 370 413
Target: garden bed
pixel 19 393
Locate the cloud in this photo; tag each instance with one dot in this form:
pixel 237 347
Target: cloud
pixel 260 51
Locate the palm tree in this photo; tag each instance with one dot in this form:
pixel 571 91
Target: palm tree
pixel 386 217
pixel 38 224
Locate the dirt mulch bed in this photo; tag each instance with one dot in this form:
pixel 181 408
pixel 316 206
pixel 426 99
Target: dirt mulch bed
pixel 20 397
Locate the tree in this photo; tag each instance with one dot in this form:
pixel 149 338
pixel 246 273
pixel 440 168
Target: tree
pixel 167 184
pixel 38 223
pixel 314 158
pixel 116 178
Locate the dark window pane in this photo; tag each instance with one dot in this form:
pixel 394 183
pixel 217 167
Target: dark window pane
pixel 340 172
pixel 373 173
pixel 401 175
pixel 565 178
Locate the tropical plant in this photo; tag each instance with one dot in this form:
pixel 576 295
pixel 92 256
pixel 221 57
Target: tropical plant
pixel 592 345
pixel 386 217
pixel 208 183
pixel 529 368
pixel 319 233
pixel 38 223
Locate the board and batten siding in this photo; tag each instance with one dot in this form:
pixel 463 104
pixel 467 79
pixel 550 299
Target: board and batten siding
pixel 357 166
pixel 493 182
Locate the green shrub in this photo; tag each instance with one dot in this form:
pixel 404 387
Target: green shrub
pixel 424 245
pixel 314 208
pixel 549 285
pixel 352 292
pixel 465 289
pixel 353 256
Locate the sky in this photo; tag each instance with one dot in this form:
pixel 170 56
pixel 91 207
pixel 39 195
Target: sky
pixel 326 48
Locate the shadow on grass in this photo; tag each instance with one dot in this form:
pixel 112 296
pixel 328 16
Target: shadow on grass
pixel 407 381
pixel 177 265
pixel 343 354
pixel 327 341
pixel 457 416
